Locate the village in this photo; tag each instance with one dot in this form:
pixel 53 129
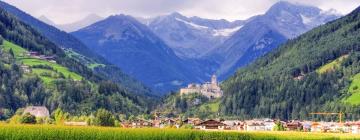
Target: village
pixel 265 124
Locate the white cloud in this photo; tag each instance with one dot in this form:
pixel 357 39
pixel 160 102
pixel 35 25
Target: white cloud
pixel 65 11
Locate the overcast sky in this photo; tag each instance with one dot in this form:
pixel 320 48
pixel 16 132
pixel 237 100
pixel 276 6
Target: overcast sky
pixel 67 11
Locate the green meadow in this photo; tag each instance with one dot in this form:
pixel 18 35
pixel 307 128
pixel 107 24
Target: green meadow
pixel 47 75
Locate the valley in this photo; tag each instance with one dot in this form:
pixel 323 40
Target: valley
pixel 291 71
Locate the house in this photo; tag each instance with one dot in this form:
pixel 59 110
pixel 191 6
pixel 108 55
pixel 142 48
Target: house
pixel 210 125
pixel 355 127
pixel 254 126
pixel 293 126
pixel 192 121
pixel 234 125
pixel 169 122
pixel 157 123
pixel 33 53
pixel 125 124
pixel 37 111
pixel 269 124
pixel 306 126
pixel 139 123
pixel 25 68
pixel 316 127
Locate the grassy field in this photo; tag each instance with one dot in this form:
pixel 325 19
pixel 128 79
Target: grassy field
pixel 354 89
pixel 20 52
pixel 88 61
pixel 332 65
pixel 213 105
pixel 34 132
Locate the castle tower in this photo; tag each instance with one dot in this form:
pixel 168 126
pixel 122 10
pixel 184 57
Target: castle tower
pixel 214 80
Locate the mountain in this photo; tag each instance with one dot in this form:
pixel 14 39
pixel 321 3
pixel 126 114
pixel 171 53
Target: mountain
pixel 77 50
pixel 132 46
pixel 315 72
pixel 46 20
pixel 192 37
pixel 60 38
pixel 263 33
pixel 34 71
pixel 88 20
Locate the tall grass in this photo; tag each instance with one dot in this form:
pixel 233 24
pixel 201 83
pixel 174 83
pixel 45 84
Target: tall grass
pixel 43 132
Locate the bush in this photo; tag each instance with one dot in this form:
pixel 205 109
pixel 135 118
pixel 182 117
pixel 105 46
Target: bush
pixel 28 118
pixel 104 118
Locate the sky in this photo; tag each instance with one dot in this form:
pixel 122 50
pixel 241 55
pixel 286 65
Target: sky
pixel 68 11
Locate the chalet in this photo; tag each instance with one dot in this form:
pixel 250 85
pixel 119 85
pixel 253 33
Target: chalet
pixel 37 111
pixel 192 121
pixel 293 126
pixel 169 122
pixel 316 127
pixel 306 126
pixel 25 68
pixel 125 124
pixel 157 123
pixel 141 123
pixel 254 126
pixel 33 53
pixel 210 125
pixel 269 124
pixel 355 127
pixel 234 125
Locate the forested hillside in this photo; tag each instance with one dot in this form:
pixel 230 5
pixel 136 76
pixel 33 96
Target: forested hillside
pixel 58 83
pixel 292 81
pixel 78 51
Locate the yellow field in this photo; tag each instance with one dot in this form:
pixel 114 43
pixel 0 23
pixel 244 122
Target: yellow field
pixel 31 132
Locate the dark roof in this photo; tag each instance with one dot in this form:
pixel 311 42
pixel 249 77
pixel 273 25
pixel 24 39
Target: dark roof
pixel 211 123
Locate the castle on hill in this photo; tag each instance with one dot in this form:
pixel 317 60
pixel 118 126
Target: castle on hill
pixel 208 89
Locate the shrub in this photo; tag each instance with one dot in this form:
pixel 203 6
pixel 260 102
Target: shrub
pixel 104 118
pixel 28 118
pixel 355 87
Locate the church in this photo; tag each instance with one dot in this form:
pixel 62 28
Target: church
pixel 208 89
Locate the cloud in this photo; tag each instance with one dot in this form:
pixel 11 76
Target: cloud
pixel 66 11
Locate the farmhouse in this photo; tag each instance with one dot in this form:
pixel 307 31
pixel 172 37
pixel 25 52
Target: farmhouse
pixel 37 111
pixel 293 126
pixel 141 123
pixel 234 125
pixel 25 68
pixel 208 89
pixel 192 121
pixel 210 125
pixel 254 126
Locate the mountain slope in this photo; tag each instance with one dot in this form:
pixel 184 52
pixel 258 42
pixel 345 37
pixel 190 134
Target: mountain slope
pixel 133 47
pixel 60 38
pixel 88 20
pixel 191 37
pixel 263 33
pixel 60 82
pixel 83 54
pixel 287 84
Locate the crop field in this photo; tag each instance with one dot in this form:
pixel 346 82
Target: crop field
pixel 33 132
